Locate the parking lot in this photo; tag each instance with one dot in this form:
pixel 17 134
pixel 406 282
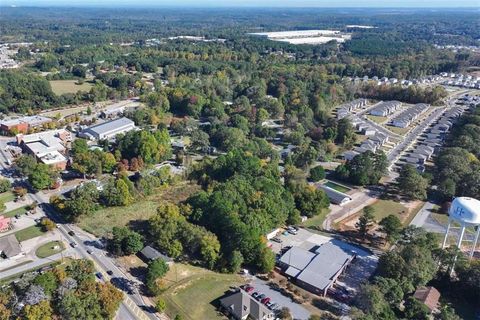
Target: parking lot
pixel 297 310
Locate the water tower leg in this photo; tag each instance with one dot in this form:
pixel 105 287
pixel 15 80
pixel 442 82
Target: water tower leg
pixel 460 239
pixel 475 243
pixel 446 235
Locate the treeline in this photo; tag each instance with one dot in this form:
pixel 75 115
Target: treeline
pixel 24 92
pixel 457 168
pixel 410 94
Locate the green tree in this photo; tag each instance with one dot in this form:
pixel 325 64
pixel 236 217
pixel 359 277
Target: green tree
pixel 156 269
pixel 365 221
pixel 317 173
pixel 209 249
pixel 412 184
pixel 392 227
pixel 42 177
pixel 47 281
pixel 235 261
pixel 415 310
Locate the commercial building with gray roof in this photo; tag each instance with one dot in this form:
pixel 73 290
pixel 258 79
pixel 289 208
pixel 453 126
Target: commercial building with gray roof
pixel 109 129
pixel 316 270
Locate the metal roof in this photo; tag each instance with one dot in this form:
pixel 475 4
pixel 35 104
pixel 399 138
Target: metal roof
pixel 111 126
pixel 322 266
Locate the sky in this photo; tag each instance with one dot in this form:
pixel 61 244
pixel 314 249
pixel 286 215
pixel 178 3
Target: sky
pixel 247 3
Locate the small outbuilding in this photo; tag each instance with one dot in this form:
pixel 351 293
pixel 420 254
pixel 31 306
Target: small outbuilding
pixel 429 296
pixel 150 254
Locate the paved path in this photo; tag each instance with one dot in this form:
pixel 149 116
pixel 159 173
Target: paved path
pixel 422 215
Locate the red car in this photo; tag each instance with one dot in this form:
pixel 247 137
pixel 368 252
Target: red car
pixel 266 300
pixel 249 289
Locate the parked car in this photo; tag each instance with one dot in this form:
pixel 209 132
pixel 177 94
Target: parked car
pixel 292 231
pixel 265 300
pixel 260 297
pixel 99 275
pixel 73 244
pixel 273 306
pixel 89 251
pixel 285 233
pixel 249 289
pixel 71 233
pixel 277 240
pixel 255 294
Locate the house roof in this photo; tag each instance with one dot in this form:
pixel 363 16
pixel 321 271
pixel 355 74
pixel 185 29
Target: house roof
pixel 153 254
pixel 10 246
pixel 243 305
pixel 428 296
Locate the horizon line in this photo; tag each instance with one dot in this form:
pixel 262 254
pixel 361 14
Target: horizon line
pixel 132 6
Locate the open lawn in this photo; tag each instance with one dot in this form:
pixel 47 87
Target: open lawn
pixel 101 222
pixel 14 212
pixel 397 130
pixel 60 87
pixel 29 233
pixel 194 291
pixel 317 220
pixel 48 249
pixel 384 208
pixel 7 196
pixel 377 119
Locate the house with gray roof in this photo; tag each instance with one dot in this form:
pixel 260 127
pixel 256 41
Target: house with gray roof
pixel 241 305
pixel 109 129
pixel 10 247
pixel 150 254
pixel 316 270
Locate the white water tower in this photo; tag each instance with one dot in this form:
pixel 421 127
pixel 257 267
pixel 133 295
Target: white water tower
pixel 466 212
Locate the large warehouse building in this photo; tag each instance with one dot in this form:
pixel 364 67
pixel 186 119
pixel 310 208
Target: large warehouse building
pixel 108 130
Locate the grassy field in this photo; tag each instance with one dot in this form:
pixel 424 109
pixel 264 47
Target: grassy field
pixel 48 250
pixel 336 186
pixel 384 208
pixel 7 196
pixel 400 131
pixel 377 119
pixel 317 220
pixel 102 221
pixel 14 212
pixel 29 233
pixel 60 87
pixel 194 291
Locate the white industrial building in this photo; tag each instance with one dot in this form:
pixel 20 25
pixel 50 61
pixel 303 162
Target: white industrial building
pixel 108 130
